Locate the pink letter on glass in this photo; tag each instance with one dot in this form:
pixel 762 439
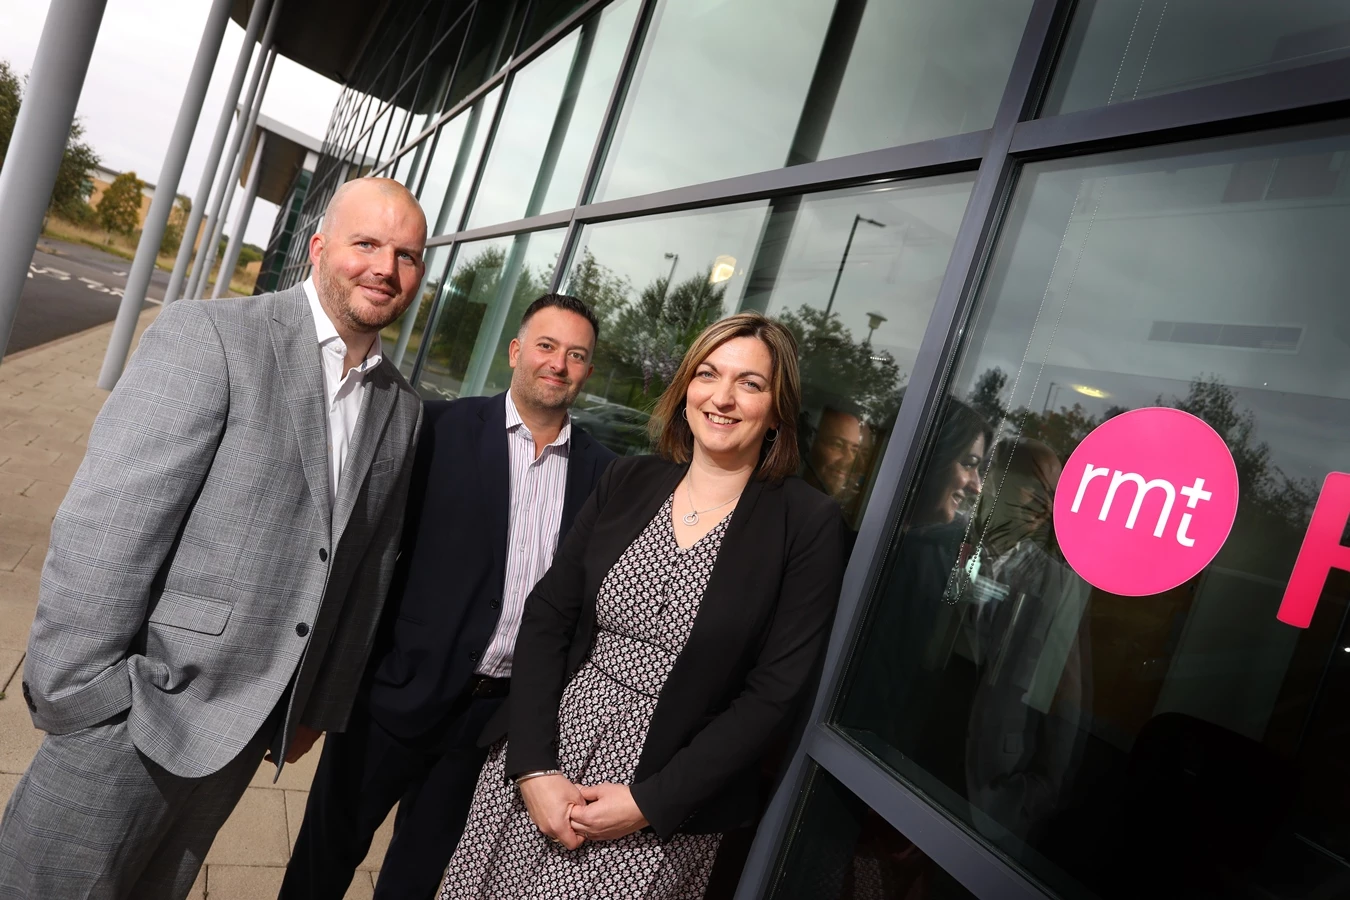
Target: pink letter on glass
pixel 1321 552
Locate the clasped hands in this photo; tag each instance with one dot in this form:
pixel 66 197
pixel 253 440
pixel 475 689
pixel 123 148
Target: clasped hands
pixel 570 813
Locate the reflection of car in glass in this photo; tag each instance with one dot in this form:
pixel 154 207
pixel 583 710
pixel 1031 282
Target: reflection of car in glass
pixel 620 428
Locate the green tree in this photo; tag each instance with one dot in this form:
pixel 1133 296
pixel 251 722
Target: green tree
pixel 70 194
pixel 119 209
pixel 11 94
pixel 173 229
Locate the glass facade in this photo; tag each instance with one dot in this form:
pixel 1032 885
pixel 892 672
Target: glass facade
pixel 994 229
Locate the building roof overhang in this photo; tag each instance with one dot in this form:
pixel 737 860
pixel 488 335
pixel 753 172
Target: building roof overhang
pixel 327 36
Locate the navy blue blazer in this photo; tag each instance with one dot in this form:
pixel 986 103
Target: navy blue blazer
pixel 446 594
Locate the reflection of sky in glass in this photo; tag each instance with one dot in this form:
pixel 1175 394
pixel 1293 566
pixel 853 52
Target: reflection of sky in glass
pixel 1122 51
pixel 1254 242
pixel 532 107
pixel 443 211
pixel 721 87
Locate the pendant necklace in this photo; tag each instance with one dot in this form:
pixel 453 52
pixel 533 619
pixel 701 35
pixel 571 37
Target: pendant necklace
pixel 692 518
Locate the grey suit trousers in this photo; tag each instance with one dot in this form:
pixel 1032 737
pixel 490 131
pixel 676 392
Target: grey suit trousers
pixel 67 836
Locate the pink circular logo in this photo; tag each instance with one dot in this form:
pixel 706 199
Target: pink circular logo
pixel 1146 501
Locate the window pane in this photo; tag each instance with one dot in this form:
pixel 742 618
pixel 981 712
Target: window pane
pixel 546 15
pixel 1183 742
pixel 853 273
pixel 408 166
pixel 453 160
pixel 487 289
pixel 402 339
pixel 726 89
pixel 1119 50
pixel 551 120
pixel 491 41
pixel 841 850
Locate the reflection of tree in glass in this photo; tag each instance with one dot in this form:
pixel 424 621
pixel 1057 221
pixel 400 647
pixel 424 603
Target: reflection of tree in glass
pixel 603 291
pixel 833 362
pixel 1274 510
pixel 651 335
pixel 471 286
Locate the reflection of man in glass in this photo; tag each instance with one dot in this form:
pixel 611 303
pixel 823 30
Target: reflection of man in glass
pixel 837 459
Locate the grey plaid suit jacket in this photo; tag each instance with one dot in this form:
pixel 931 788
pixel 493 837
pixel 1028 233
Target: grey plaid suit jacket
pixel 195 569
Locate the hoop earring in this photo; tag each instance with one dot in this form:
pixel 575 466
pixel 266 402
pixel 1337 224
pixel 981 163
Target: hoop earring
pixel 771 435
pixel 684 411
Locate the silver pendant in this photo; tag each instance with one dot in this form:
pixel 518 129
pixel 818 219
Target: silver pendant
pixel 691 519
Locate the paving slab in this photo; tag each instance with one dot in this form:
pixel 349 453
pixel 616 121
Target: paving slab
pixel 10 554
pixel 59 467
pixel 243 882
pixel 16 529
pixel 18 602
pixel 296 776
pixel 255 833
pixel 10 661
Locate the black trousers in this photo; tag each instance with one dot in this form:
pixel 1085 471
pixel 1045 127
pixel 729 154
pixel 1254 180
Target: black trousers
pixel 362 773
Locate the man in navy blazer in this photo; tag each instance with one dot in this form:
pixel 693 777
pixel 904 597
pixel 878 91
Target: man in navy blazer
pixel 495 486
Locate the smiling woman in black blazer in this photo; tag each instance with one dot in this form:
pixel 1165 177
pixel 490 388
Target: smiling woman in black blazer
pixel 667 648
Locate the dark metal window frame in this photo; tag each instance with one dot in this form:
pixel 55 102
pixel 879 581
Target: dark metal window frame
pixel 1313 93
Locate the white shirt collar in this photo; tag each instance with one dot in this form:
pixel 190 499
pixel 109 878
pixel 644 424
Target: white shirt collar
pixel 327 333
pixel 513 420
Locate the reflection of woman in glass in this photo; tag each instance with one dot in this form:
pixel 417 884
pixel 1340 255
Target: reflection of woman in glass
pixel 668 647
pixel 917 609
pixel 1031 644
pixel 955 477
pixel 910 693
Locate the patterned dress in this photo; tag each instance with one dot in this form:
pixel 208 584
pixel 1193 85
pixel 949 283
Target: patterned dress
pixel 644 611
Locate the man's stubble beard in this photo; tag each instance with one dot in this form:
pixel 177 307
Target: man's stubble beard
pixel 528 390
pixel 335 294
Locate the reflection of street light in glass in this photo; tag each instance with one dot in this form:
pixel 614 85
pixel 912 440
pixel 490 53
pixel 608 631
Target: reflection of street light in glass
pixel 722 269
pixel 874 321
pixel 847 245
pixel 674 260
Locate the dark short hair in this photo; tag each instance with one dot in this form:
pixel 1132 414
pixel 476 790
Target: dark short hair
pixel 562 301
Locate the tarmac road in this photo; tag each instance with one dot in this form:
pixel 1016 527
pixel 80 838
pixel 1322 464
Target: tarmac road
pixel 72 287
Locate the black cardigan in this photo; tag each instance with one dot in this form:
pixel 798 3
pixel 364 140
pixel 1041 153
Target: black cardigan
pixel 750 659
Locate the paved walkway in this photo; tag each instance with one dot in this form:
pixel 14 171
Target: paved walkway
pixel 48 400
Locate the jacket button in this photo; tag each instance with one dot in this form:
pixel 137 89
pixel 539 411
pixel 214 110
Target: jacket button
pixel 302 629
pixel 496 603
pixel 28 698
pixel 474 656
pixel 323 554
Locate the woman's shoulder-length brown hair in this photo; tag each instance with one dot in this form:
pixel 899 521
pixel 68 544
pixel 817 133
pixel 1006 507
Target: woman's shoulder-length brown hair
pixel 669 430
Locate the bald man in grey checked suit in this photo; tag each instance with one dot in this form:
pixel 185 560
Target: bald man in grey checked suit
pixel 218 568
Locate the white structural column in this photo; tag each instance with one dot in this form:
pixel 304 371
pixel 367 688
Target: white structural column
pixel 166 190
pixel 202 269
pixel 212 163
pixel 237 239
pixel 39 141
pixel 234 160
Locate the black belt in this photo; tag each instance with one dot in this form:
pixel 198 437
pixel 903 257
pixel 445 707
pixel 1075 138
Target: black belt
pixel 488 688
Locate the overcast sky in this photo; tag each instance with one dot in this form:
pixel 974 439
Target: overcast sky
pixel 136 80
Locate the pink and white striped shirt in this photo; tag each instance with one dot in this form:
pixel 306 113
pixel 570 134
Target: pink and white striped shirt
pixel 537 491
